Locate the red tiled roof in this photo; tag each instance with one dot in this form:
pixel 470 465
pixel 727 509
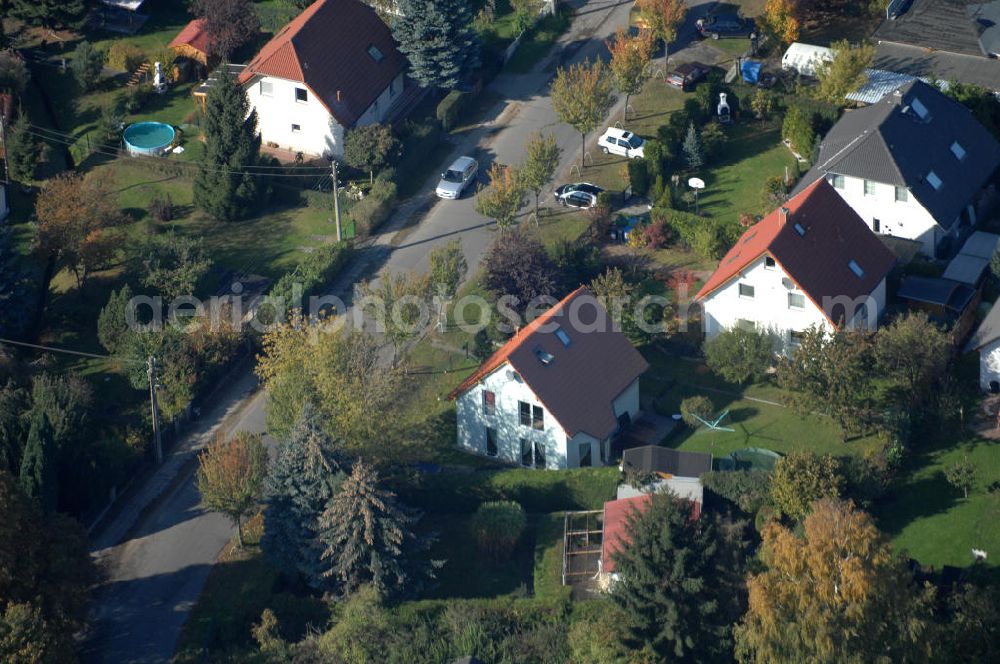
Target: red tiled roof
pixel 582 380
pixel 818 259
pixel 326 47
pixel 194 35
pixel 616 514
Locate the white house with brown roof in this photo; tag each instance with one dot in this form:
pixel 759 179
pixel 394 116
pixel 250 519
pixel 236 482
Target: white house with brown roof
pixel 335 66
pixel 556 393
pixel 811 262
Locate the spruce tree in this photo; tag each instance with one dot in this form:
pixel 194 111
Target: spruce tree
pixel 438 40
pixel 13 287
pixel 368 538
pixel 300 483
pixel 23 150
pixel 222 187
pixel 50 13
pixel 693 154
pixel 38 464
pixel 667 583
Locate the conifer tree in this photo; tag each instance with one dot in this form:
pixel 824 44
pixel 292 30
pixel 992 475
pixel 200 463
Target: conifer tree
pixel 437 38
pixel 667 583
pixel 50 13
pixel 222 187
pixel 693 154
pixel 300 483
pixel 12 287
pixel 23 150
pixel 38 464
pixel 368 538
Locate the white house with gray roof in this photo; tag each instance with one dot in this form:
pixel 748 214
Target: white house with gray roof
pixel 914 165
pixel 986 342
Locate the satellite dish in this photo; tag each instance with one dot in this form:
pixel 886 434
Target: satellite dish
pixel 696 183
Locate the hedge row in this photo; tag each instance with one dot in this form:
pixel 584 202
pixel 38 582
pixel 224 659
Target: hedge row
pixel 312 273
pixel 537 491
pixel 451 109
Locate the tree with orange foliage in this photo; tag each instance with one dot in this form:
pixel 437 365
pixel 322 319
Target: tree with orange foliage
pixel 630 56
pixel 581 96
pixel 230 476
pixel 834 594
pixel 662 18
pixel 781 20
pixel 75 217
pixel 502 200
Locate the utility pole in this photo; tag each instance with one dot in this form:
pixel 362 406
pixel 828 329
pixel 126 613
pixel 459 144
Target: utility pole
pixel 336 200
pixel 3 141
pixel 151 374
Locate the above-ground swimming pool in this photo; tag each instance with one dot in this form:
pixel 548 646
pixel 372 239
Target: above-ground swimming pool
pixel 148 137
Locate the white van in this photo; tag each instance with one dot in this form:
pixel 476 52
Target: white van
pixel 805 58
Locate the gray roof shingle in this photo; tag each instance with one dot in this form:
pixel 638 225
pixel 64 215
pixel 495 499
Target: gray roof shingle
pixel 987 332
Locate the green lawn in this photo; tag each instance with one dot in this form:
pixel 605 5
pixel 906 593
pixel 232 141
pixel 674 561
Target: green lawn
pixel 537 42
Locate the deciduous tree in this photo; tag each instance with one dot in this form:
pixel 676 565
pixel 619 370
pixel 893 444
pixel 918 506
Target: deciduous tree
pixel 437 38
pixel 369 148
pixel 503 198
pixel 87 65
pixel 801 478
pixel 781 21
pixel 581 96
pixel 517 265
pixel 171 264
pixel 835 594
pixel 447 268
pixel 663 18
pixel 762 104
pixel 630 56
pixel 961 475
pixel 229 23
pixel 223 187
pixel 14 73
pixel 912 352
pixel 541 159
pixel 399 302
pixel 230 476
pixel 740 355
pixel 369 538
pixel 76 216
pixel 845 72
pixel 306 474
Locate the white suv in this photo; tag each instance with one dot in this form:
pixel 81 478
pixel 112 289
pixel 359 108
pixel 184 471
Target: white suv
pixel 621 142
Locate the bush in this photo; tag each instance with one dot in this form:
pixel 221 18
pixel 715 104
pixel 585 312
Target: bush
pixel 370 212
pixel 656 157
pixel 798 130
pixel 136 97
pixel 694 407
pixel 497 527
pixel 451 109
pixel 86 66
pixel 125 56
pixel 713 139
pixel 656 235
pixel 312 273
pixel 738 355
pixel 161 208
pixel 638 176
pixel 749 489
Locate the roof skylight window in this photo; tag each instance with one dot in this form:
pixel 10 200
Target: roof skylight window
pixel 858 271
pixel 919 108
pixel 563 337
pixel 934 181
pixel 799 229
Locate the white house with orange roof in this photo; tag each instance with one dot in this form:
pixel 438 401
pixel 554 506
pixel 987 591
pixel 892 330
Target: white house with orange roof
pixel 556 393
pixel 811 262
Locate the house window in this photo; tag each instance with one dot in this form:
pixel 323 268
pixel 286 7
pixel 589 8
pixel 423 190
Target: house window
pixel 266 88
pixel 902 195
pixel 296 128
pixel 489 402
pixel 537 418
pixel 586 460
pixel 525 452
pixel 539 454
pixel 301 95
pixel 837 181
pixel 933 180
pixel 375 53
pixel 491 441
pixel 869 188
pixel 746 325
pixel 746 290
pixel 876 226
pixel 796 301
pixel 524 413
pixel 795 337
pixel 768 263
pixel 958 151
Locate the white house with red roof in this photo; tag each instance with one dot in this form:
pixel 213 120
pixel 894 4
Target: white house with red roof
pixel 335 66
pixel 812 261
pixel 556 393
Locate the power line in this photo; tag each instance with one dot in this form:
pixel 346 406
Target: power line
pixel 67 351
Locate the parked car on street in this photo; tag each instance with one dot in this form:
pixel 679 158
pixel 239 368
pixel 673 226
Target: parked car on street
pixel 687 75
pixel 621 142
pixel 579 195
pixel 722 26
pixel 459 175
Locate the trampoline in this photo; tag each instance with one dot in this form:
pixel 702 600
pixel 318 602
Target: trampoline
pixel 148 138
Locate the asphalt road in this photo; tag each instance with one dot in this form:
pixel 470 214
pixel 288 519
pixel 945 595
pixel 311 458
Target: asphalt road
pixel 158 551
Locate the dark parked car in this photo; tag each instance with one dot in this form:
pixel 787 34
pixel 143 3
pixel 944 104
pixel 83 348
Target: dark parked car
pixel 687 75
pixel 578 195
pixel 722 26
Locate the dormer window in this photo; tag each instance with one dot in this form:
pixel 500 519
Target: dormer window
pixel 562 336
pixel 921 110
pixel 375 53
pixel 543 356
pixel 958 151
pixel 933 180
pixel 858 271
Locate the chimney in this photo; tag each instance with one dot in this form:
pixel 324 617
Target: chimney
pixel 783 216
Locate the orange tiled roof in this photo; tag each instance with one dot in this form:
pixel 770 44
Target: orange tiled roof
pixel 194 35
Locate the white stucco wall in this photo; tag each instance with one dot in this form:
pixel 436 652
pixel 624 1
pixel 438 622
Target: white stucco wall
pixel 989 364
pixel 318 134
pixel 907 219
pixel 380 108
pixel 472 422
